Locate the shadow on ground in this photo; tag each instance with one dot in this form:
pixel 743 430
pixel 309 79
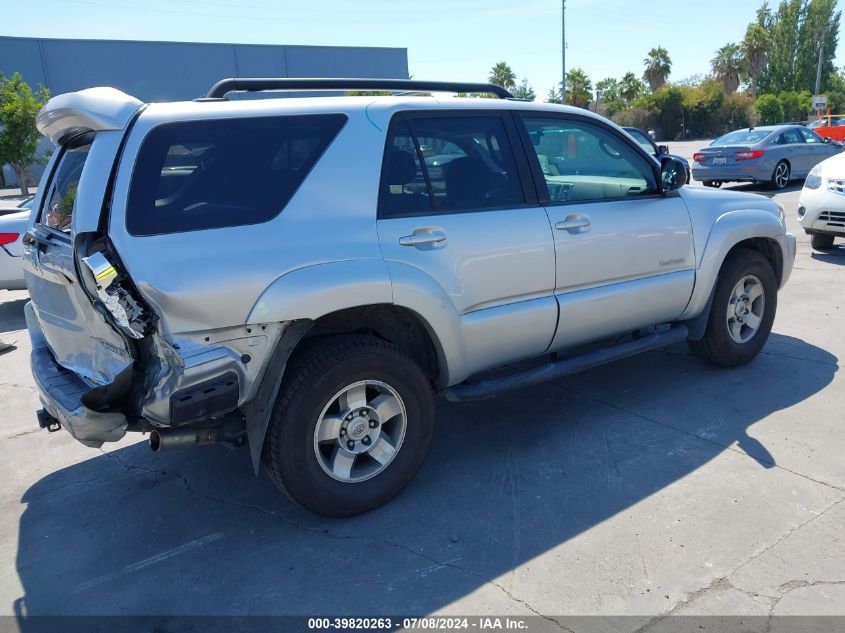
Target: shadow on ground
pixel 835 255
pixel 132 532
pixel 11 315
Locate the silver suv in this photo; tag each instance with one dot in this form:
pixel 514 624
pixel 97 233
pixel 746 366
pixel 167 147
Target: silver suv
pixel 302 275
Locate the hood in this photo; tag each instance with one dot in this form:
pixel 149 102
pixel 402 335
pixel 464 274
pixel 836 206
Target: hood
pixel 708 204
pixel 833 167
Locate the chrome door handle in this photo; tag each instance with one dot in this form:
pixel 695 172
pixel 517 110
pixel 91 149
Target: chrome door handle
pixel 574 224
pixel 423 238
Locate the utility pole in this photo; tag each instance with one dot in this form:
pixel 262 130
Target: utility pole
pixel 819 67
pixel 563 51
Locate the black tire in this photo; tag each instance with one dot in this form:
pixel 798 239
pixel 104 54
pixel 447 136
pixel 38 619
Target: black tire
pixel 821 241
pixel 781 175
pixel 312 378
pixel 717 346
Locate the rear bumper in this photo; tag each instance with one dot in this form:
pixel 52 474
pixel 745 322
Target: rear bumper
pixel 60 391
pixel 749 172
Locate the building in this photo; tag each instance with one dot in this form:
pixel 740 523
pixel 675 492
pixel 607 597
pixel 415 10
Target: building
pixel 174 71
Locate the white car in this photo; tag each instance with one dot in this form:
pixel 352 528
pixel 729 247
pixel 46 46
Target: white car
pixel 12 228
pixel 821 207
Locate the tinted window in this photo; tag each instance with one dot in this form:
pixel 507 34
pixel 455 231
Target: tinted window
pixel 209 174
pixel 60 201
pixel 449 164
pixel 810 137
pixel 642 140
pixel 789 137
pixel 581 161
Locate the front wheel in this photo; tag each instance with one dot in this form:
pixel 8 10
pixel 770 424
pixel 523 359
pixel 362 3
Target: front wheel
pixel 781 175
pixel 742 312
pixel 351 426
pixel 821 241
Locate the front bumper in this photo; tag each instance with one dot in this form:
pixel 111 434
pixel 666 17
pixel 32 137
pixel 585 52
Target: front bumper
pixel 60 391
pixel 824 211
pixel 788 247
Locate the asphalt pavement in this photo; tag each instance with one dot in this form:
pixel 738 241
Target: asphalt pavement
pixel 656 485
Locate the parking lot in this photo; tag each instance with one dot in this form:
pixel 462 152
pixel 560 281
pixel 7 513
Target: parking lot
pixel 656 485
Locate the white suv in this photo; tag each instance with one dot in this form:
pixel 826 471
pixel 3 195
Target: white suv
pixel 303 275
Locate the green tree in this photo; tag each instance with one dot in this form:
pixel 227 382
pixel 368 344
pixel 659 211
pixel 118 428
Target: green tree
pixel 18 137
pixel 502 75
pixel 524 91
pixel 770 109
pixel 607 94
pixel 630 88
pixel 728 66
pixel 579 88
pixel 755 49
pixel 657 68
pixel 554 95
pixel 784 26
pixel 819 28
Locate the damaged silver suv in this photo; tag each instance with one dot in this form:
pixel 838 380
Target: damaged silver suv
pixel 302 276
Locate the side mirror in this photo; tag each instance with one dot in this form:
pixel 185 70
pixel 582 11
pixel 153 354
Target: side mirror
pixel 673 173
pixel 825 139
pixel 662 149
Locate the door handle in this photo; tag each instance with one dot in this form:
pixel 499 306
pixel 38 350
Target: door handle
pixel 423 238
pixel 574 224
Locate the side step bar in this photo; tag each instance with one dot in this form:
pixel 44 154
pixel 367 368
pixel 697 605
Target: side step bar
pixel 557 369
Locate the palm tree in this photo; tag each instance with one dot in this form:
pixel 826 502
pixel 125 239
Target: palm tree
pixel 630 87
pixel 657 67
pixel 579 88
pixel 502 75
pixel 755 50
pixel 728 66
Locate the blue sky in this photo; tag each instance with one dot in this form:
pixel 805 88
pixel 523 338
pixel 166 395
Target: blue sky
pixel 446 39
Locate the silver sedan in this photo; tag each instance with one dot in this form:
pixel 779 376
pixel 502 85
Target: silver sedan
pixel 772 154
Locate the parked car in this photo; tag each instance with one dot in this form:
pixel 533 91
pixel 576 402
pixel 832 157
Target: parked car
pixel 12 228
pixel 315 281
pixel 821 206
pixel 774 154
pixel 654 149
pixel 7 208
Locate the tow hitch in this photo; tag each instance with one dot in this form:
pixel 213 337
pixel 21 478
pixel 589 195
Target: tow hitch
pixel 47 421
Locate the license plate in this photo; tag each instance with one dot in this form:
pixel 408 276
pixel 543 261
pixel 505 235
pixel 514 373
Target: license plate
pixel 720 160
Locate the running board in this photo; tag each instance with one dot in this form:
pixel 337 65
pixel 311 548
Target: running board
pixel 557 369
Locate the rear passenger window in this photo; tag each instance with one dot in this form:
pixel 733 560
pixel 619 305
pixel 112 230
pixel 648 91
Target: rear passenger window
pixel 449 164
pixel 209 174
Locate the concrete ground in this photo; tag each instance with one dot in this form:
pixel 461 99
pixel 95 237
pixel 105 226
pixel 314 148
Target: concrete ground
pixel 656 485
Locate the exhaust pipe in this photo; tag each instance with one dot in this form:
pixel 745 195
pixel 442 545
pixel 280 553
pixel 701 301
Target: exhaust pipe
pixel 185 438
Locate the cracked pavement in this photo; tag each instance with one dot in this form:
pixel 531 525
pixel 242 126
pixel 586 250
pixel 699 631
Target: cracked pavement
pixel 655 487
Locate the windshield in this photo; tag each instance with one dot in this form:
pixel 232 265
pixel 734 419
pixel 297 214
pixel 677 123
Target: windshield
pixel 741 137
pixel 641 139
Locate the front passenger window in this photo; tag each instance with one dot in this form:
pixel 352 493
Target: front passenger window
pixel 581 161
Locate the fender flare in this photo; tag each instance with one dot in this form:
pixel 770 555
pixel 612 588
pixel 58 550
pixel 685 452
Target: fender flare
pixel 729 230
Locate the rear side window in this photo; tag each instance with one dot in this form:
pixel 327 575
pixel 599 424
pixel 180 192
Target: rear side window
pixel 197 175
pixel 60 201
pixel 448 165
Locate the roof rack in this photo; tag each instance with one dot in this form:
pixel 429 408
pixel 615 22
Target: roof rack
pixel 259 84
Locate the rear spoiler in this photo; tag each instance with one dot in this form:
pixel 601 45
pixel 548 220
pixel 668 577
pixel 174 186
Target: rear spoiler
pixel 93 109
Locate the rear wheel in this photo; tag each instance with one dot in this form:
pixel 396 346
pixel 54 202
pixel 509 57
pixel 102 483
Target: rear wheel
pixel 351 426
pixel 781 175
pixel 742 312
pixel 821 242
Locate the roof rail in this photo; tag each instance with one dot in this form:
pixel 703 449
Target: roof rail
pixel 259 84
